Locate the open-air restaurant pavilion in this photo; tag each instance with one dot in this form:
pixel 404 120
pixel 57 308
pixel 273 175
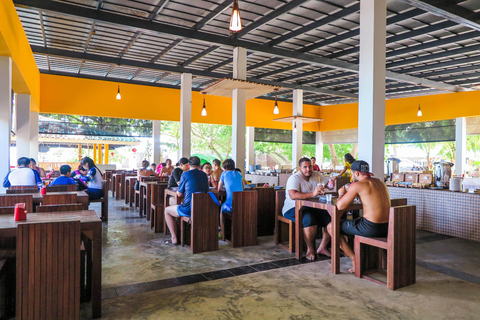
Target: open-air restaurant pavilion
pixel 366 72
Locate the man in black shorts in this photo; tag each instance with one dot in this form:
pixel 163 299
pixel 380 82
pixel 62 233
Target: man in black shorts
pixel 306 184
pixel 373 194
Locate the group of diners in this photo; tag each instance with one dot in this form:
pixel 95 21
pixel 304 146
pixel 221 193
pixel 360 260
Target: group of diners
pixel 87 176
pixel 372 192
pixel 191 177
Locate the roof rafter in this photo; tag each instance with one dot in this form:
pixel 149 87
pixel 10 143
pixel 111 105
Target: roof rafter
pixel 136 24
pixel 215 12
pixel 449 10
pixel 270 16
pixel 169 68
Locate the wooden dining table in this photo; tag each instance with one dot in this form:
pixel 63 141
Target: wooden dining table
pixel 130 190
pixel 335 214
pixel 172 192
pixel 91 227
pixel 82 197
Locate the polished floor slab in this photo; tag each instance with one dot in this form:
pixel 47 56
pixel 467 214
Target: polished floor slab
pixel 145 279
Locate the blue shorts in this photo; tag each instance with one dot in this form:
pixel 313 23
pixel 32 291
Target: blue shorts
pixel 363 227
pixel 226 207
pixel 311 217
pixel 94 194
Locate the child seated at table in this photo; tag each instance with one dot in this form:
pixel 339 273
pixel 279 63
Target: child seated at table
pixel 64 178
pixel 233 182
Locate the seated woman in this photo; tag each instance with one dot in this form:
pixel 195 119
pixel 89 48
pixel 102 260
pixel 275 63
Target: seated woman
pixel 145 171
pixel 207 168
pixel 93 179
pixel 233 182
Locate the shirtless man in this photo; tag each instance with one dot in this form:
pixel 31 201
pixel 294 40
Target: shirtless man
pixel 373 194
pixel 217 172
pixel 167 169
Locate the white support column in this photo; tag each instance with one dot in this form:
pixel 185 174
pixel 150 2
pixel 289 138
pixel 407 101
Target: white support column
pixel 157 153
pixel 250 147
pixel 34 135
pixel 297 127
pixel 239 108
pixel 5 115
pixel 371 106
pixel 460 145
pixel 23 125
pixel 319 148
pixel 185 114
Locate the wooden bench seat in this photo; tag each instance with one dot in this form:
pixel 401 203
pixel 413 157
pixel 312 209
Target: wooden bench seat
pixel 400 250
pixel 200 232
pixel 240 226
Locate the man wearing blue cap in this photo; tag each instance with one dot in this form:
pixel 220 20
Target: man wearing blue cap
pixel 373 194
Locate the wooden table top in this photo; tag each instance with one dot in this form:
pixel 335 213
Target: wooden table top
pixel 84 216
pixel 37 196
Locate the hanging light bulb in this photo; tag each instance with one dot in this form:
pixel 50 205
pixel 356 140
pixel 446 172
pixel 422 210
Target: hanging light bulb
pixel 119 97
pixel 235 20
pixel 276 110
pixel 204 109
pixel 295 126
pixel 419 113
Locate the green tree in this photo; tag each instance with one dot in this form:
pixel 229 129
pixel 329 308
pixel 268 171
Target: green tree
pixel 127 127
pixel 427 148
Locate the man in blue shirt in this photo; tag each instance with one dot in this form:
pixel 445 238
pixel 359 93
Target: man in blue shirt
pixel 192 181
pixel 233 182
pixel 64 178
pixel 23 176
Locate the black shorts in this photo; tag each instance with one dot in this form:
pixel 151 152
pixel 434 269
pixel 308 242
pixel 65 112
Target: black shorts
pixel 311 217
pixel 363 227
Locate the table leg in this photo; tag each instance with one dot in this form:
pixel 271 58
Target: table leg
pixel 298 230
pixel 132 194
pixel 140 198
pixel 85 203
pixel 149 201
pixel 97 271
pixel 127 190
pixel 335 250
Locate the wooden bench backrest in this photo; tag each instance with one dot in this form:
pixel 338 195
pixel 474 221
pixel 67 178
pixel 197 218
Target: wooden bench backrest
pixel 279 201
pixel 204 218
pixel 398 202
pixel 11 199
pixel 59 207
pixel 68 198
pixel 22 189
pixel 401 240
pixel 62 188
pixel 7 210
pixel 266 211
pixel 48 269
pixel 244 218
pixel 158 192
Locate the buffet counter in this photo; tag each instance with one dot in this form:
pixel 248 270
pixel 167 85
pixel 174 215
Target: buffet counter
pixel 278 180
pixel 455 214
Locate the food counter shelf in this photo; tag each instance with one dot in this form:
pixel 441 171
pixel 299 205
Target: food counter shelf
pixel 455 214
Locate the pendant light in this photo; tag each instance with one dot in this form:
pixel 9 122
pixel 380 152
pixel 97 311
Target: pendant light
pixel 276 110
pixel 204 109
pixel 419 113
pixel 295 126
pixel 119 97
pixel 235 20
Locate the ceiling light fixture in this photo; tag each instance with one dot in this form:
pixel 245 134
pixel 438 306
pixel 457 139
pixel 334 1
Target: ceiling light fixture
pixel 235 20
pixel 119 97
pixel 204 109
pixel 419 113
pixel 276 110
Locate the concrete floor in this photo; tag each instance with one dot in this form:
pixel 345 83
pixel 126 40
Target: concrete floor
pixel 145 279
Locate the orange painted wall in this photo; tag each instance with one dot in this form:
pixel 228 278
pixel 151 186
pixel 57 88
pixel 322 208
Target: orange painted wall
pixel 14 44
pixel 69 95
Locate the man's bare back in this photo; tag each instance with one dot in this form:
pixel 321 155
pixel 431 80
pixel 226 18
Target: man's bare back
pixel 375 199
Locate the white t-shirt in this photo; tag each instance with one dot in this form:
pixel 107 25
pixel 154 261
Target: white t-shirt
pixel 298 183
